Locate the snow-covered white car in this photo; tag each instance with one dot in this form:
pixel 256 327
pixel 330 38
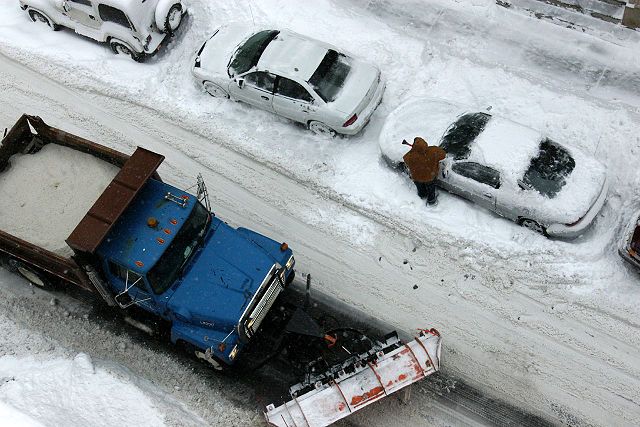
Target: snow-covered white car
pixel 289 74
pixel 503 166
pixel 630 246
pixel 134 28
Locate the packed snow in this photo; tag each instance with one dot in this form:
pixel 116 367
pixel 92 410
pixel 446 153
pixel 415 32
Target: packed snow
pixel 515 307
pixel 50 192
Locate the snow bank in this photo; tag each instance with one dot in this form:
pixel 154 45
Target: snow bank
pixel 10 416
pixel 49 193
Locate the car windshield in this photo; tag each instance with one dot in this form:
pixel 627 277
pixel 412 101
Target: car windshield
pixel 169 266
pixel 548 170
pixel 458 138
pixel 249 53
pixel 329 78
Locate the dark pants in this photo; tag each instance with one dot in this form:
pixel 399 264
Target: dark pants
pixel 427 190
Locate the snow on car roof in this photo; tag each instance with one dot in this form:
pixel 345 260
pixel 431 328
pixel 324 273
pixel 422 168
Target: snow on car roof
pixel 506 146
pixel 293 55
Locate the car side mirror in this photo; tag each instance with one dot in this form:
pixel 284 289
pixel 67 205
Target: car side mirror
pixel 240 82
pixel 62 4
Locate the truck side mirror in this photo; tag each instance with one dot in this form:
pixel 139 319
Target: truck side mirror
pixel 240 82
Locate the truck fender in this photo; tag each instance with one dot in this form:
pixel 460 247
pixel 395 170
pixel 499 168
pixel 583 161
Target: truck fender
pixel 162 10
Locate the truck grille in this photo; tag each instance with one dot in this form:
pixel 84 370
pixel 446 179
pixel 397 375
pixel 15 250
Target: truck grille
pixel 267 294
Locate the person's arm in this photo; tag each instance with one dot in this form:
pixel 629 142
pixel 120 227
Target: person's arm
pixel 441 154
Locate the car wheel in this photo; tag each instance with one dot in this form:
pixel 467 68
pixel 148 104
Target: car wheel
pixel 121 48
pixel 320 128
pixel 533 226
pixel 173 19
pixel 37 16
pixel 214 90
pixel 33 276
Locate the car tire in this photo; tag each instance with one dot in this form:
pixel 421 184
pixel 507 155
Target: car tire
pixel 321 129
pixel 214 90
pixel 533 226
pixel 173 19
pixel 32 275
pixel 121 48
pixel 37 16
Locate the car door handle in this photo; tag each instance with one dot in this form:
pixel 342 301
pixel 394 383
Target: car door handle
pixel 266 98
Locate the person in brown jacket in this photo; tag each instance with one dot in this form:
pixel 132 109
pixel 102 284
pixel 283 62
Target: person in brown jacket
pixel 423 163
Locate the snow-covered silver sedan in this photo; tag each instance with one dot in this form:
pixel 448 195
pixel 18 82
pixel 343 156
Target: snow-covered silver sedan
pixel 291 75
pixel 503 166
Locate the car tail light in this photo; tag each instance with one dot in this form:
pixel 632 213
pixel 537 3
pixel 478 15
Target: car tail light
pixel 351 121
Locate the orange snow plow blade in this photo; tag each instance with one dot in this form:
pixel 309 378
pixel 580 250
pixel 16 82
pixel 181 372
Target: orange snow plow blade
pixel 371 377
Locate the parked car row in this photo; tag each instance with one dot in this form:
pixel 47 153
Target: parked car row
pixel 508 168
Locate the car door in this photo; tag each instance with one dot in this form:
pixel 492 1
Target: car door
pixel 255 88
pixel 293 101
pixel 475 182
pixel 82 13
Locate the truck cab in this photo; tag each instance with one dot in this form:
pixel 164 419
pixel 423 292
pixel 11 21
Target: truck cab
pixel 172 257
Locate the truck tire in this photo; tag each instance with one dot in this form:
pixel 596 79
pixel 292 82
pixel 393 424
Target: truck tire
pixel 37 16
pixel 121 48
pixel 173 20
pixel 32 275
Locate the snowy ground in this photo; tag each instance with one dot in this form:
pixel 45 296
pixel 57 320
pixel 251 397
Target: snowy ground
pixel 550 325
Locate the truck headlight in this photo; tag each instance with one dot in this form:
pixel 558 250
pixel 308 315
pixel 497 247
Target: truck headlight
pixel 234 352
pixel 290 263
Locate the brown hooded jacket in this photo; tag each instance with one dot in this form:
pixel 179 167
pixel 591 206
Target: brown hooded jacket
pixel 423 161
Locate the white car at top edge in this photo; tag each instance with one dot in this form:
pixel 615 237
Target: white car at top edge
pixel 135 28
pixel 506 167
pixel 291 75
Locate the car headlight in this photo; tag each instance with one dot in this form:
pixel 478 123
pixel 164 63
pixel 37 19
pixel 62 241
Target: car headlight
pixel 234 352
pixel 290 263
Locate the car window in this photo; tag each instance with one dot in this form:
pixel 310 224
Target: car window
pixel 478 172
pixel 294 90
pixel 548 171
pixel 261 80
pixel 84 2
pixel 461 134
pixel 111 14
pixel 248 54
pixel 329 77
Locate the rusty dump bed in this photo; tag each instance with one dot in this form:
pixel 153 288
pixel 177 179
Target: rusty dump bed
pixel 30 135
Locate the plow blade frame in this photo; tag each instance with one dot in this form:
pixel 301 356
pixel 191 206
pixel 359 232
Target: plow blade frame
pixel 365 384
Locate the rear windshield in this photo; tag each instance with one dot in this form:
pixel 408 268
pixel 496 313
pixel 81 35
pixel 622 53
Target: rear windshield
pixel 458 138
pixel 329 78
pixel 548 170
pixel 249 53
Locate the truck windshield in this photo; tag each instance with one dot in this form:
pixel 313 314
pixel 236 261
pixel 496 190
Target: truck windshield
pixel 329 78
pixel 249 53
pixel 169 266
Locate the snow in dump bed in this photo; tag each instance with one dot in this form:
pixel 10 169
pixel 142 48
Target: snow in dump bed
pixel 46 194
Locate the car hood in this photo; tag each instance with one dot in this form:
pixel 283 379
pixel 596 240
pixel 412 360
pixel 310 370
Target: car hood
pixel 358 89
pixel 424 117
pixel 218 50
pixel 219 283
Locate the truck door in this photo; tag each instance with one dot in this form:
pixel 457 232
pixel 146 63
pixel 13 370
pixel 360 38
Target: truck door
pixel 82 13
pixel 130 288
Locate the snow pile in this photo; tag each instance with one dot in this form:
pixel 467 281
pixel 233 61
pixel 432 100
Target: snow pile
pixel 74 393
pixel 49 193
pixel 14 418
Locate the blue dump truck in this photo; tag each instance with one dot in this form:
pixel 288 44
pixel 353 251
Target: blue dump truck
pixel 83 214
